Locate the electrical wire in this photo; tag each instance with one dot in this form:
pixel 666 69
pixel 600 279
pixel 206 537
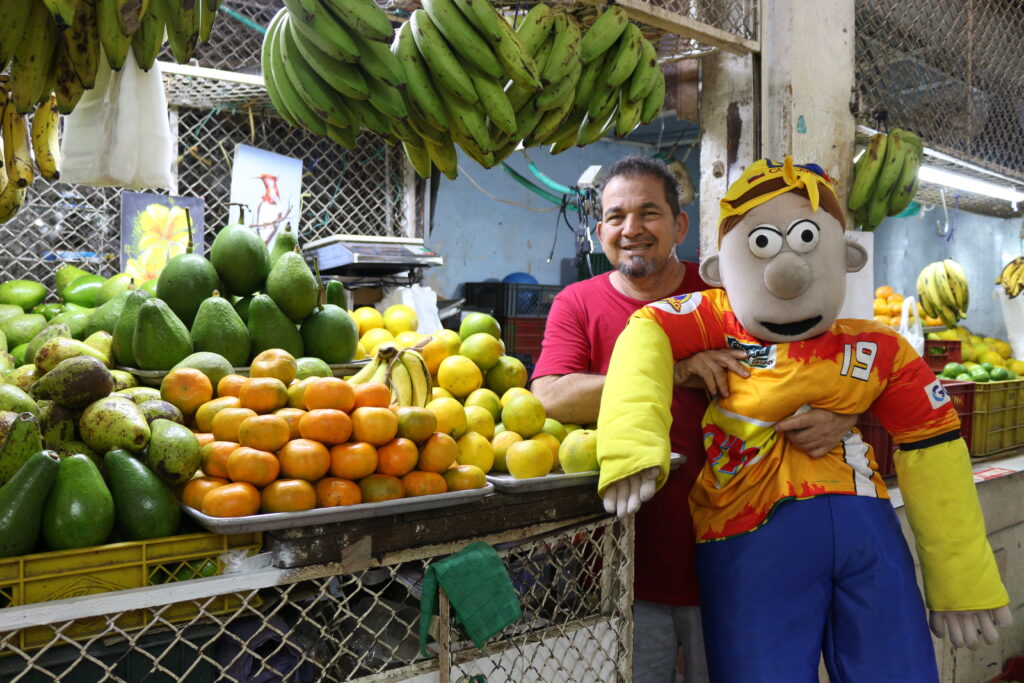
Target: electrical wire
pixel 504 201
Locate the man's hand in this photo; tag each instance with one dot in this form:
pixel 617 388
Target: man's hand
pixel 710 370
pixel 816 431
pixel 965 627
pixel 624 496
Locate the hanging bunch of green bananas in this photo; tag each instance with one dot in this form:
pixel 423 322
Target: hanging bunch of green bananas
pixel 1012 277
pixel 885 178
pixel 25 141
pixel 404 372
pixel 329 69
pixel 942 291
pixel 54 46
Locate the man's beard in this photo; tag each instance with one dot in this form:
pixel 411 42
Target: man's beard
pixel 637 267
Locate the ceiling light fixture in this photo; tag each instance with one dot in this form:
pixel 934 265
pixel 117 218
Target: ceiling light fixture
pixel 959 181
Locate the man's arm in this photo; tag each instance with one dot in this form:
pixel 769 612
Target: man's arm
pixel 574 398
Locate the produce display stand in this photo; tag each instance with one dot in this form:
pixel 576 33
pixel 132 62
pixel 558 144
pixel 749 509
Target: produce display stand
pixel 340 601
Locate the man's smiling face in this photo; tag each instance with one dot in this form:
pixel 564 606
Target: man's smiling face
pixel 637 230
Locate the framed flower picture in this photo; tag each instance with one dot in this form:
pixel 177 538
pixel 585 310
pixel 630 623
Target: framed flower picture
pixel 154 229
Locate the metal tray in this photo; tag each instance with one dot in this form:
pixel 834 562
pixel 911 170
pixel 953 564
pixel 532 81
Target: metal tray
pixel 152 378
pixel 557 480
pixel 289 520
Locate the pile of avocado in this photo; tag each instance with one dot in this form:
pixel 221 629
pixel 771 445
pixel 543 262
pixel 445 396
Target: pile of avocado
pixel 976 372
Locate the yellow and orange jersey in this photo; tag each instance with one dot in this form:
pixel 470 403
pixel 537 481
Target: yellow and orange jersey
pixel 856 366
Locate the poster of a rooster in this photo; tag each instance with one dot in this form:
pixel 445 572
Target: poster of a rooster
pixel 269 185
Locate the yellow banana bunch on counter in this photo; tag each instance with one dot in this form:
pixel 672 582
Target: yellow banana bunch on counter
pixel 404 372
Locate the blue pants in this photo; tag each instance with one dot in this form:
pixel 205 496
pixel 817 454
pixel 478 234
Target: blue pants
pixel 831 576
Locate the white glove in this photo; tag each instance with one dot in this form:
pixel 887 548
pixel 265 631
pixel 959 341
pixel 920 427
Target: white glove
pixel 624 496
pixel 964 627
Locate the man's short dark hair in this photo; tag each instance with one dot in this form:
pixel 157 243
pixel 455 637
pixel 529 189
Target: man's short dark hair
pixel 637 165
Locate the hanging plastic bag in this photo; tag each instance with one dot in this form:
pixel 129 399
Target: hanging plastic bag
pixel 1013 318
pixel 912 332
pixel 421 299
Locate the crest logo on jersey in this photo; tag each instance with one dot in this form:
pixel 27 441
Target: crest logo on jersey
pixel 937 395
pixel 679 305
pixel 757 356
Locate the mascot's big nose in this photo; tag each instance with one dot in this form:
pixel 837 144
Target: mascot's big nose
pixel 787 276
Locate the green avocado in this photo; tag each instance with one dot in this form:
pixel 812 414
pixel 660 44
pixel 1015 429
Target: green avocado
pixel 241 258
pixel 160 339
pixel 79 512
pixel 145 505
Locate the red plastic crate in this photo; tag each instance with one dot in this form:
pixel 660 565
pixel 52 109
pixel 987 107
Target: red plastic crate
pixel 872 431
pixel 523 336
pixel 938 352
pixel 1014 670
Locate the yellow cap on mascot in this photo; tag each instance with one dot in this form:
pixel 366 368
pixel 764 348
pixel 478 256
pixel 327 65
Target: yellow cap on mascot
pixel 766 179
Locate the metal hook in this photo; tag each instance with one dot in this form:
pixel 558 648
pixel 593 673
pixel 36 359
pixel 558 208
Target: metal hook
pixel 940 229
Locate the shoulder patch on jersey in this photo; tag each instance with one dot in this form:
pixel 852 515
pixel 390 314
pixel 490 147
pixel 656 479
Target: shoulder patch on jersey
pixel 937 395
pixel 679 305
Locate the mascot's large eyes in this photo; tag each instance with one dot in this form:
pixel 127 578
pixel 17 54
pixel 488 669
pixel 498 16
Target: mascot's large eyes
pixel 764 241
pixel 803 236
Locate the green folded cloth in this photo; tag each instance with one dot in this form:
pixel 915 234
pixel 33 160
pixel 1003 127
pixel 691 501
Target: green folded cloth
pixel 479 589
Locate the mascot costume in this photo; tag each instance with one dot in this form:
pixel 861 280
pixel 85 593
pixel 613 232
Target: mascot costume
pixel 802 557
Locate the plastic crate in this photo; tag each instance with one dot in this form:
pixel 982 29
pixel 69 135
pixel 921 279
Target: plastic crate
pixel 64 574
pixel 938 352
pixel 599 263
pixel 998 417
pixel 872 431
pixel 510 299
pixel 523 336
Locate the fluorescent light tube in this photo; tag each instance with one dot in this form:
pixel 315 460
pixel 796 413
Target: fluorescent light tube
pixel 938 176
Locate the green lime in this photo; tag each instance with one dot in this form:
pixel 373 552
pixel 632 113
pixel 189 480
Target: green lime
pixel 979 374
pixel 952 369
pixel 998 374
pixel 963 377
pixel 987 366
pixel 474 323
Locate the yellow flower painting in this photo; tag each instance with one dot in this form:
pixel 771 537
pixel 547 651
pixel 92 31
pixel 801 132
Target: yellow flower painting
pixel 154 229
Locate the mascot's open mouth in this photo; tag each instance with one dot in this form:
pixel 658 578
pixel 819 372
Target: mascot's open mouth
pixel 792 329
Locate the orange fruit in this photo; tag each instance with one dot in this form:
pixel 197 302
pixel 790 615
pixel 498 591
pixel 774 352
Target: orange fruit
pixel 415 423
pixel 883 292
pixel 397 457
pixel 196 489
pixel 263 394
pixel 334 491
pixel 438 453
pixel 204 438
pixel 214 458
pixel 375 426
pixel 438 348
pixel 205 413
pixel 264 432
pixel 288 495
pixel 292 417
pixel 274 363
pixel 186 389
pixel 353 460
pixel 330 392
pixel 304 459
pixel 325 425
pixel 252 465
pixel 418 483
pixel 372 395
pixel 464 477
pixel 226 421
pixel 230 385
pixel 378 487
pixel 239 499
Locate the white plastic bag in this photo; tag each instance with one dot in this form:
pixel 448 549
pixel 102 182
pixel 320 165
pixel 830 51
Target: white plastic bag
pixel 421 299
pixel 913 332
pixel 119 133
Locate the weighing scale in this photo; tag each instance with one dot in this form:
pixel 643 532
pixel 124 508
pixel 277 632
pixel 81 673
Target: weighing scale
pixel 370 256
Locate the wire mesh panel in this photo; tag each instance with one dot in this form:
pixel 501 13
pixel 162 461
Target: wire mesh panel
pixel 950 70
pixel 574 587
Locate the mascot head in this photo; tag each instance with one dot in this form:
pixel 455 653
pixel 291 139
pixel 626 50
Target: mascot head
pixel 782 253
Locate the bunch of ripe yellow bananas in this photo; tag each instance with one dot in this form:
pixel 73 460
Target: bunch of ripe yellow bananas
pixel 885 177
pixel 22 142
pixel 942 291
pixel 1012 277
pixel 404 372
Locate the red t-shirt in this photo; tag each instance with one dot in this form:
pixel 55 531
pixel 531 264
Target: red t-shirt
pixel 579 335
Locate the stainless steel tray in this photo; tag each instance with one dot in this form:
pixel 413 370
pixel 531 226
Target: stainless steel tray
pixel 556 480
pixel 289 520
pixel 152 378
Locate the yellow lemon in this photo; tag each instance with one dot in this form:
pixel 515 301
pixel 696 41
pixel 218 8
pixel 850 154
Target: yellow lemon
pixel 451 417
pixel 479 420
pixel 524 415
pixel 374 337
pixel 475 449
pixel 485 398
pixel 460 376
pixel 550 441
pixel 1002 348
pixel 578 452
pixel 993 358
pixel 408 338
pixel 360 352
pixel 438 392
pixel 512 393
pixel 482 349
pixel 400 318
pixel 528 459
pixel 436 350
pixel 500 443
pixel 367 318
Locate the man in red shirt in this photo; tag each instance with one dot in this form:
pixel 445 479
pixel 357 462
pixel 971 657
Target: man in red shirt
pixel 640 228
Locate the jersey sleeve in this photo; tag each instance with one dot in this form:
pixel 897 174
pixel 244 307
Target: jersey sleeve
pixel 566 346
pixel 692 322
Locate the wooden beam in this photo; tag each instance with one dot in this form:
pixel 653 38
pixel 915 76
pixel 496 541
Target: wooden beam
pixel 672 22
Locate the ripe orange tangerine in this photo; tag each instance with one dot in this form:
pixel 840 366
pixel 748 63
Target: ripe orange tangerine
pixel 252 465
pixel 419 483
pixel 397 457
pixel 353 460
pixel 214 458
pixel 325 425
pixel 304 459
pixel 264 432
pixel 263 394
pixel 378 487
pixel 372 395
pixel 334 491
pixel 330 392
pixel 226 422
pixel 274 363
pixel 288 495
pixel 195 490
pixel 375 426
pixel 239 499
pixel 230 385
pixel 186 389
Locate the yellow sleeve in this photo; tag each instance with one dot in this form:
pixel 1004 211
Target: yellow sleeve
pixel 636 405
pixel 957 564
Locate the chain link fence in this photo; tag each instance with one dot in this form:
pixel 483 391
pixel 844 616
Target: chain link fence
pixel 952 71
pixel 320 624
